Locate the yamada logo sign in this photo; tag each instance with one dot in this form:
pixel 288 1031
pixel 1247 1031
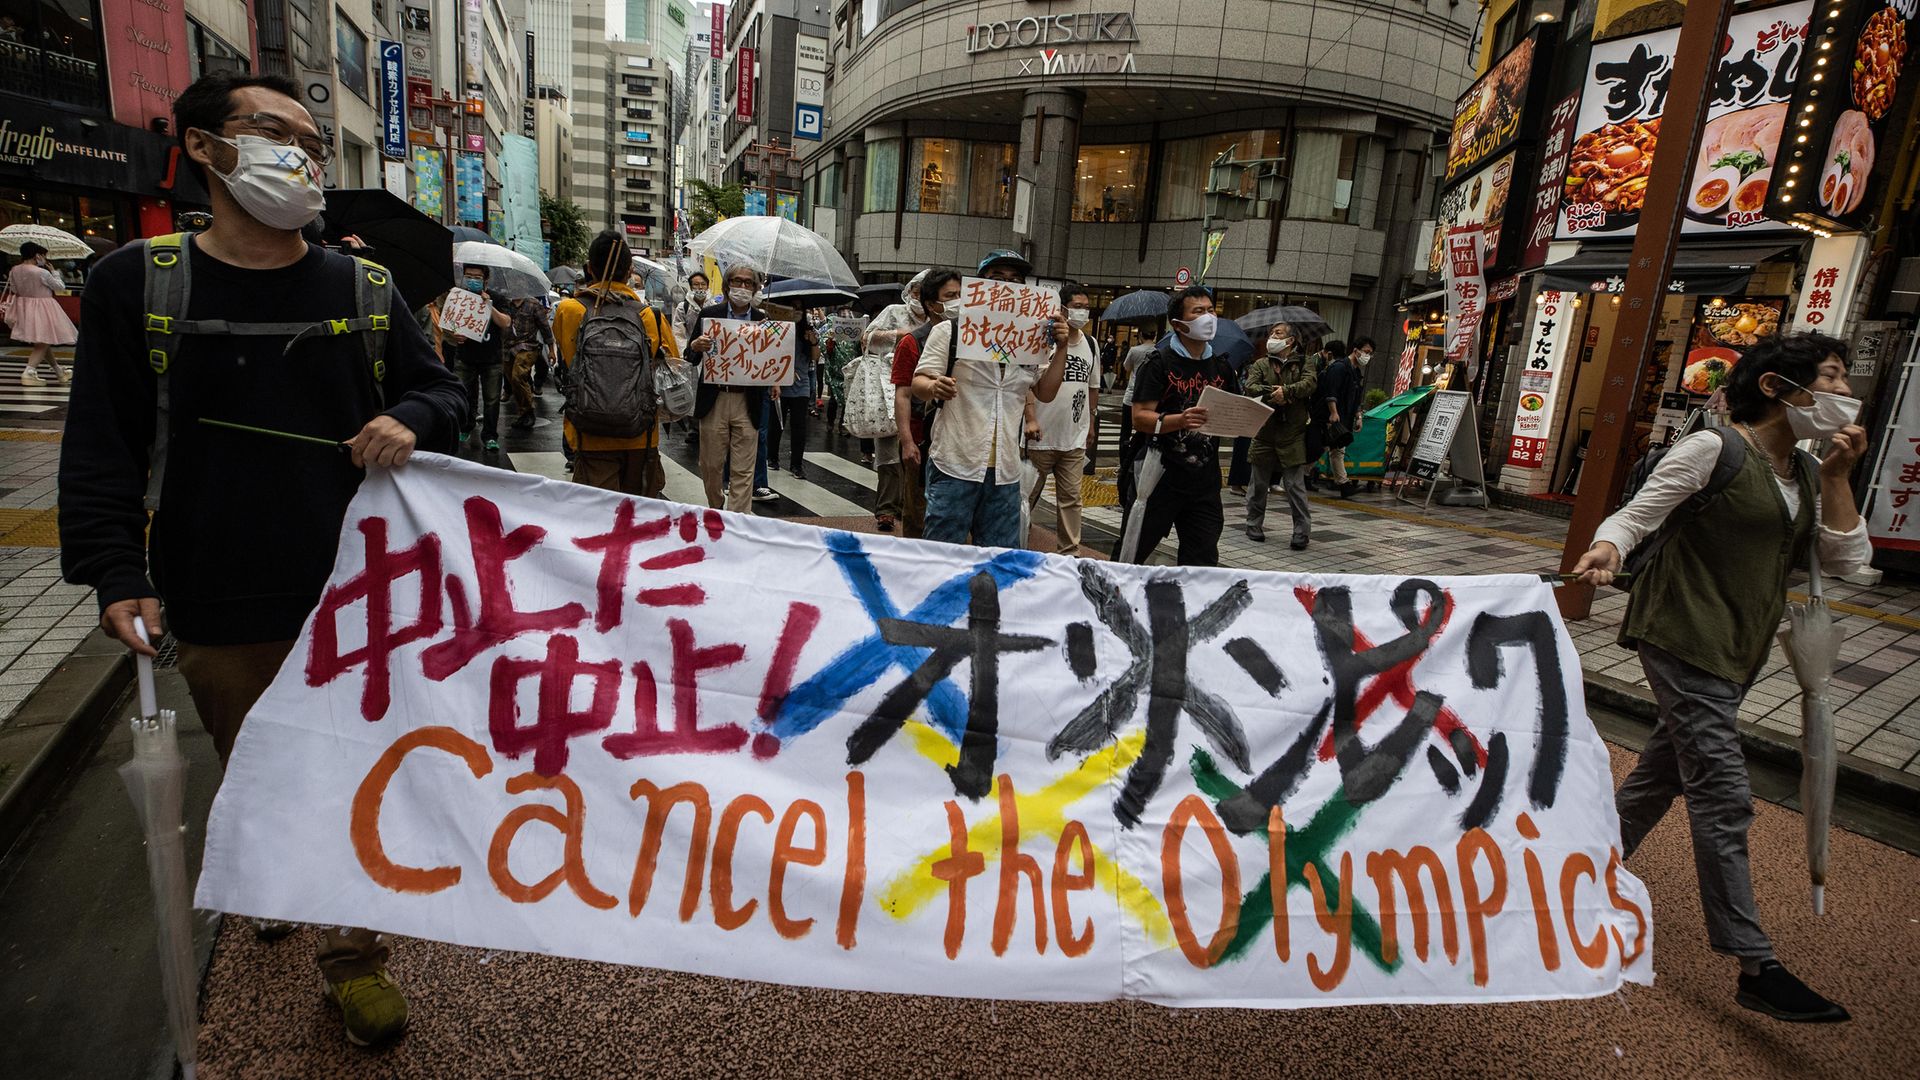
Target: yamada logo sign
pixel 1054 62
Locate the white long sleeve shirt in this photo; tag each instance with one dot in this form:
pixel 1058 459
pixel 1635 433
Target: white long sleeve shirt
pixel 1685 470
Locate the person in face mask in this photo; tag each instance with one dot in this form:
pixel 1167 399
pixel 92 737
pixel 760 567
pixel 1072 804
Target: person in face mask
pixel 1061 433
pixel 1705 608
pixel 1167 414
pixel 247 527
pixel 732 447
pixel 689 308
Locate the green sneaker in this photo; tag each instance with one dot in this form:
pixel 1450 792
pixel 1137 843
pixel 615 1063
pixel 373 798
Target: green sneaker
pixel 372 1006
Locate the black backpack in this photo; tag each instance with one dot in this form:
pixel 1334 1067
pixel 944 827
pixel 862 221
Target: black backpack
pixel 926 411
pixel 1733 458
pixel 610 389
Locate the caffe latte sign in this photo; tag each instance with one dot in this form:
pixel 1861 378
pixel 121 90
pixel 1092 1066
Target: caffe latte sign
pixel 1085 28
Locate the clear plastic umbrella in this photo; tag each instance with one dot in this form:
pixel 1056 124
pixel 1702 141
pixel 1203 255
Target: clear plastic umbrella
pixel 1812 644
pixel 1147 474
pixel 775 247
pixel 156 781
pixel 509 273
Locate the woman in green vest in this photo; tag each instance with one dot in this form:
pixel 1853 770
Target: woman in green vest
pixel 1705 610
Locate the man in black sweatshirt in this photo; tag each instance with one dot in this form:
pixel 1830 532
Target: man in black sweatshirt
pixel 244 537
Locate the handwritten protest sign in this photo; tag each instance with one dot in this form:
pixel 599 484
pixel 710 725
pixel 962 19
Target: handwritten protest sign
pixel 625 730
pixel 466 313
pixel 750 353
pixel 1007 323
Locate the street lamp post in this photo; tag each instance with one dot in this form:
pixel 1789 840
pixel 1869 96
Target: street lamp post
pixel 1225 204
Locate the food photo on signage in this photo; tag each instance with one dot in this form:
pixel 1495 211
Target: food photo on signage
pixel 1844 102
pixel 1489 116
pixel 1619 127
pixel 1723 331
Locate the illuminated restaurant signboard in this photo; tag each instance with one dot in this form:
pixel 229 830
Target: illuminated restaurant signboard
pixel 1488 117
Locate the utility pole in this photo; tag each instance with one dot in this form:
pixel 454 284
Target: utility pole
pixel 1648 268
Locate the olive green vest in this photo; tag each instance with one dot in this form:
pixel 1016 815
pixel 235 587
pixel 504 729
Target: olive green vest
pixel 1714 594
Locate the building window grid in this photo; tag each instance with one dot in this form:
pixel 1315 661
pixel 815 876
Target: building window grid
pixel 1110 183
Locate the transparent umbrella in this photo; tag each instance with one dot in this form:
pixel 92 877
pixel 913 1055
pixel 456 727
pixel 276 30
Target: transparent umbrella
pixel 775 247
pixel 156 781
pixel 1812 644
pixel 509 273
pixel 1147 476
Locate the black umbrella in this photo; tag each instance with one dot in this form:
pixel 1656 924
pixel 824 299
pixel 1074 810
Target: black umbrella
pixel 1137 306
pixel 799 293
pixel 875 298
pixel 463 234
pixel 416 248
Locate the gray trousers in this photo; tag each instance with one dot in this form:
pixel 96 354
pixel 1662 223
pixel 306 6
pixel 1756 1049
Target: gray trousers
pixel 1695 751
pixel 1294 482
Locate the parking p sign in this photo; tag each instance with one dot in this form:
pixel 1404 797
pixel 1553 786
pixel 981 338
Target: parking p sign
pixel 809 122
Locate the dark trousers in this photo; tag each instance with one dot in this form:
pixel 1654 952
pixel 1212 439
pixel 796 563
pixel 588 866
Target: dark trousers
pixel 795 410
pixel 1240 469
pixel 1695 752
pixel 483 384
pixel 1189 505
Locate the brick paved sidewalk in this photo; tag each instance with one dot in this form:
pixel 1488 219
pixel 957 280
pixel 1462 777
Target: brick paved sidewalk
pixel 1876 689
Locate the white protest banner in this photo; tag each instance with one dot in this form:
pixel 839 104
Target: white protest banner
pixel 1003 322
pixel 1466 293
pixel 467 314
pixel 1231 416
pixel 749 353
pixel 543 717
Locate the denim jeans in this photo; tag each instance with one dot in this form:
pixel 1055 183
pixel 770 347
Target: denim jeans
pixel 984 510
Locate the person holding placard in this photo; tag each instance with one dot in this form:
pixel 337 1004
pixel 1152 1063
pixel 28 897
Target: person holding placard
pixel 478 362
pixel 1167 412
pixel 1281 379
pixel 973 473
pixel 939 290
pixel 730 416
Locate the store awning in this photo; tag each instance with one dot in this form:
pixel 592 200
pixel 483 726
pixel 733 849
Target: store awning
pixel 1393 407
pixel 1425 297
pixel 1709 269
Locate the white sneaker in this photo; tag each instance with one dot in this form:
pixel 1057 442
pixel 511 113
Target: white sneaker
pixel 28 378
pixel 65 375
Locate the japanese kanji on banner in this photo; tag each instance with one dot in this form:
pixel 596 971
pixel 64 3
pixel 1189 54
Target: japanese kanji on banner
pixel 1004 322
pixel 1893 516
pixel 466 314
pixel 1466 292
pixel 542 717
pixel 1545 347
pixel 750 353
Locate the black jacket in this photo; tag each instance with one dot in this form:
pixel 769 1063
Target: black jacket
pixel 707 394
pixel 1340 386
pixel 245 536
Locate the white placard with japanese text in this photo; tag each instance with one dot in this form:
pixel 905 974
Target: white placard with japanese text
pixel 1544 350
pixel 1004 322
pixel 1826 290
pixel 467 314
pixel 1893 521
pixel 1466 292
pixel 747 353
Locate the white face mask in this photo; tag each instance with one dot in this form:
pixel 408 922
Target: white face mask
pixel 915 308
pixel 1202 327
pixel 1279 346
pixel 277 185
pixel 700 296
pixel 740 297
pixel 1362 358
pixel 1824 418
pixel 1078 317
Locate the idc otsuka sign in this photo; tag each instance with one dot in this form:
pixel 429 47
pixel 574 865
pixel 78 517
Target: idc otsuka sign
pixel 1085 28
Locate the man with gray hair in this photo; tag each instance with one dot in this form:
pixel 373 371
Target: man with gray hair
pixel 729 416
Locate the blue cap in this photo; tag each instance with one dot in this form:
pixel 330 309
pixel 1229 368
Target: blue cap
pixel 1006 255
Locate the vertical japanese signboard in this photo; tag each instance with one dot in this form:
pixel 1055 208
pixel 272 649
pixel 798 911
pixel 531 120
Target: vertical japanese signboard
pixel 1847 97
pixel 528 124
pixel 1544 210
pixel 1466 288
pixel 743 88
pixel 393 100
pixel 316 93
pixel 1545 347
pixel 1826 292
pixel 472 63
pixel 417 34
pixel 1619 127
pixel 1893 521
pixel 717 51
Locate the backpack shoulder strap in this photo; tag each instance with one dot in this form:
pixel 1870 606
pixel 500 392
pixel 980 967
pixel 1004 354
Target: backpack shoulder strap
pixel 166 292
pixel 1727 466
pixel 372 305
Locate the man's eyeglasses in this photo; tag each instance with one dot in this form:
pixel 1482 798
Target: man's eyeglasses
pixel 274 129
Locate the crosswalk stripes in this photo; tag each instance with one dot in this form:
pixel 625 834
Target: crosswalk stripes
pixel 42 402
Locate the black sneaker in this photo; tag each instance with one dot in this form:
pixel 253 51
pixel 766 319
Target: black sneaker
pixel 765 494
pixel 1775 992
pixel 525 423
pixel 1256 534
pixel 1298 544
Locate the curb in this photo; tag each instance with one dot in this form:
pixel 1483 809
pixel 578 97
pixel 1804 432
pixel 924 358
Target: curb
pixel 1865 779
pixel 56 728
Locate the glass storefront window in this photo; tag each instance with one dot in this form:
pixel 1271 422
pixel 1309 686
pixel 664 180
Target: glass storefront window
pixel 1323 171
pixel 826 186
pixel 1183 171
pixel 937 176
pixel 990 181
pixel 883 175
pixel 51 53
pixel 1109 182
